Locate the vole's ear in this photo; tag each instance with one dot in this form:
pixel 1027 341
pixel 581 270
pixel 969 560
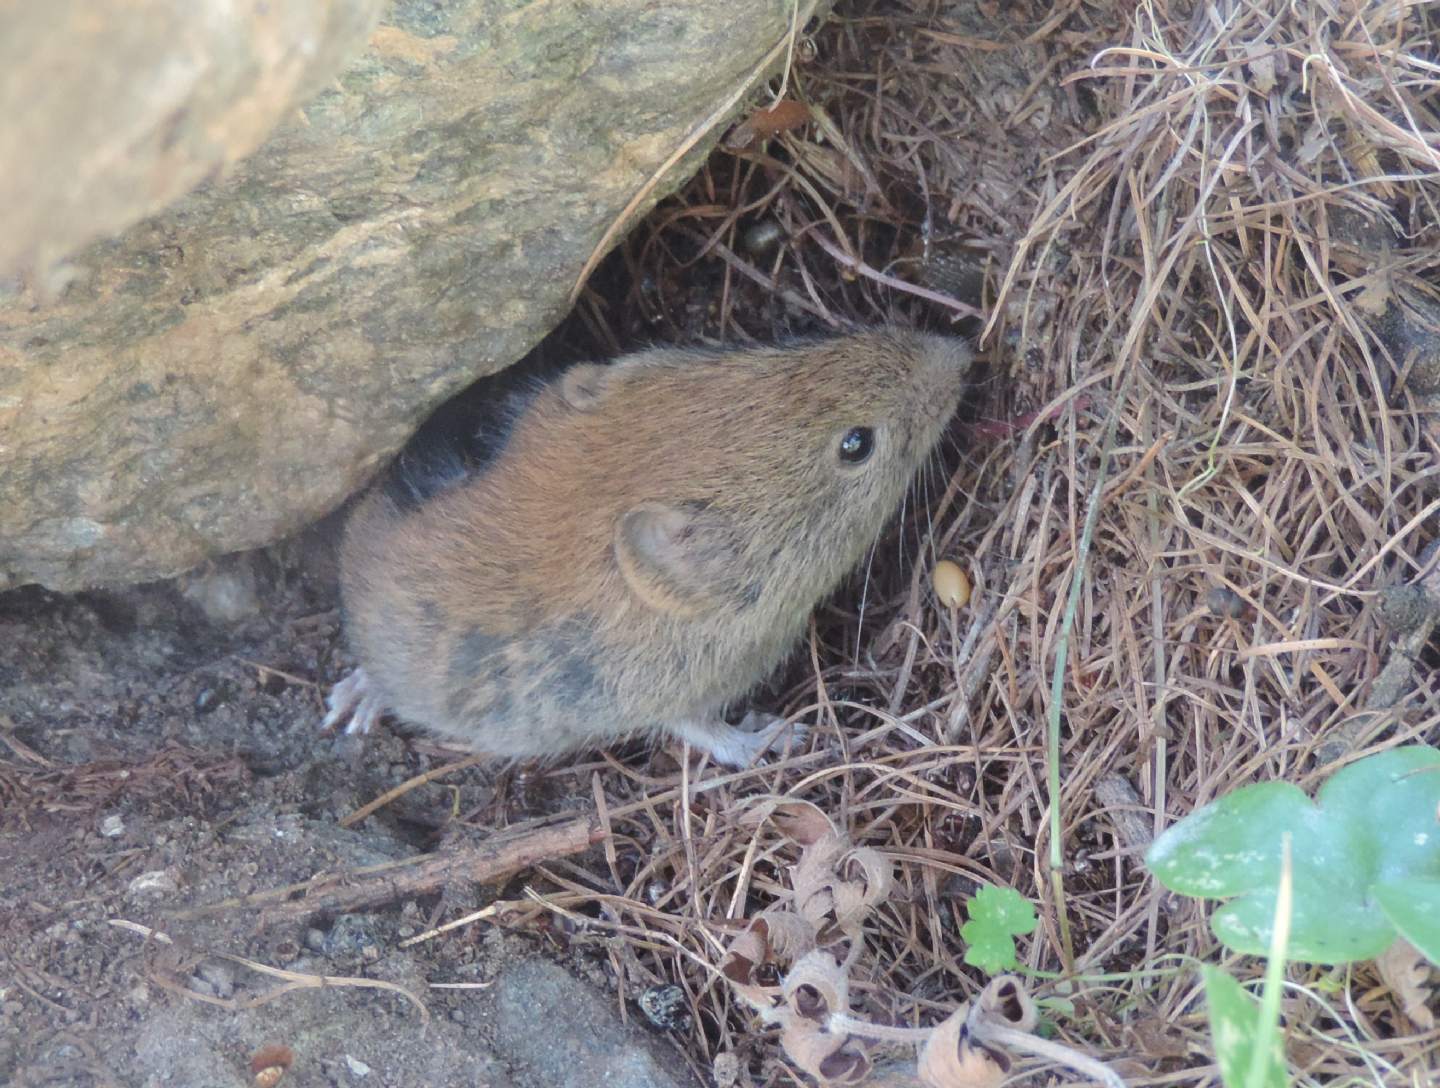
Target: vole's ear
pixel 681 558
pixel 584 386
pixel 587 384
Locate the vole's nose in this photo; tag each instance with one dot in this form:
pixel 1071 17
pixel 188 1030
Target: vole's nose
pixel 947 359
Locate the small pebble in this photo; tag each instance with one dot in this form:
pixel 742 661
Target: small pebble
pixel 220 978
pixel 1224 601
pixel 353 936
pixel 112 827
pixel 666 1007
pixel 357 1067
pixel 207 700
pixel 152 885
pixel 226 596
pixel 1404 608
pixel 287 951
pixel 762 238
pixel 726 1069
pixel 268 1065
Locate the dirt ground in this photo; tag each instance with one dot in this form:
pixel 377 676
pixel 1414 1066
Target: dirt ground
pixel 159 751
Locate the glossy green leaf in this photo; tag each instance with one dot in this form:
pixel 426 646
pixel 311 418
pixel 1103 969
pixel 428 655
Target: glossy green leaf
pixel 1236 1031
pixel 1372 825
pixel 1413 907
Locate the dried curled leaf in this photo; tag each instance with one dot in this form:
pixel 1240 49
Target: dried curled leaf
pixel 833 1059
pixel 1407 974
pixel 803 822
pixel 746 951
pixel 873 871
pixel 755 979
pixel 847 1065
pixel 816 902
pixel 851 903
pixel 836 905
pixel 817 986
pixel 752 962
pixel 788 935
pixel 799 821
pixel 817 864
pixel 843 945
pixel 953 1057
pixel 781 117
pixel 1007 1003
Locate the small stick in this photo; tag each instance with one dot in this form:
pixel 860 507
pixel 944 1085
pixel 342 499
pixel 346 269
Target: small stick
pixel 1119 801
pixel 408 785
pixel 1397 677
pixel 294 980
pixel 373 885
pixel 289 677
pixel 860 267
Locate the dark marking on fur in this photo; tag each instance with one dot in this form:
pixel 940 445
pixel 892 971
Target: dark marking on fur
pixel 573 676
pixel 574 679
pixel 432 616
pixel 467 434
pixel 750 594
pixel 477 657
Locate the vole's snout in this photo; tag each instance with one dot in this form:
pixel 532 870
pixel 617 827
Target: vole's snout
pixel 948 359
pixel 945 364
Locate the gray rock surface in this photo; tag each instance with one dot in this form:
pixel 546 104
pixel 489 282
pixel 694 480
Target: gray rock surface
pixel 558 1032
pixel 333 1033
pixel 111 111
pixel 229 370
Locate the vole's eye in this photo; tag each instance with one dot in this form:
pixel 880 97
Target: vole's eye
pixel 857 445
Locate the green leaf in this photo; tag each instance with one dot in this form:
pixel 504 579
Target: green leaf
pixel 1372 826
pixel 997 915
pixel 1062 1007
pixel 1236 1032
pixel 1413 907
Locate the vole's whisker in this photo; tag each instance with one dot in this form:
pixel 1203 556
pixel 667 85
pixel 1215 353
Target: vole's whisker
pixel 864 597
pixel 930 505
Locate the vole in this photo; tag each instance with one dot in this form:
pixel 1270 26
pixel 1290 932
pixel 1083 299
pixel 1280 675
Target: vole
pixel 642 544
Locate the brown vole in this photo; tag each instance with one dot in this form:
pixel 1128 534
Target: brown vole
pixel 644 547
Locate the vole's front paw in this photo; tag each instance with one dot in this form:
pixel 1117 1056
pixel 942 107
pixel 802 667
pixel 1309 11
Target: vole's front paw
pixel 355 697
pixel 743 745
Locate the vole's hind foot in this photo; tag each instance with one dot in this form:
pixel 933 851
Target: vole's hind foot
pixel 354 697
pixel 742 745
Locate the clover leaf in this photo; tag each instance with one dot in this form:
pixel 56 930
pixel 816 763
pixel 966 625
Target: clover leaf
pixel 1365 856
pixel 997 915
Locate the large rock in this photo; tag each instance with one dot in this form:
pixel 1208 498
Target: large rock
pixel 556 1031
pixel 229 370
pixel 111 112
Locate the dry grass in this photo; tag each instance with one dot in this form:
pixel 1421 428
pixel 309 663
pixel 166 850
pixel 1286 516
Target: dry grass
pixel 1204 239
pixel 173 779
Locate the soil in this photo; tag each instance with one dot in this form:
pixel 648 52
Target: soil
pixel 159 752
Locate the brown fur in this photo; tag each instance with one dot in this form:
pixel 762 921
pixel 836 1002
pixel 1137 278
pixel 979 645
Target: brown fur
pixel 648 545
